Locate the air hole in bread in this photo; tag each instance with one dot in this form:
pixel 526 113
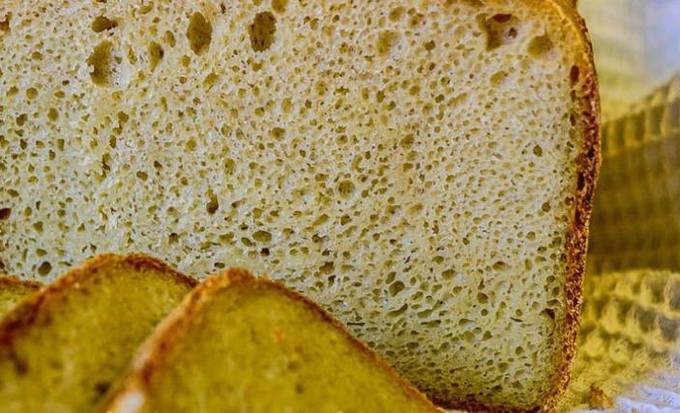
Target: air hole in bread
pixel 169 38
pixel 4 24
pixel 498 78
pixel 327 267
pixel 262 31
pixel 146 8
pixel 199 33
pixel 155 55
pixel 500 266
pixel 53 114
pixel 574 74
pixel 213 204
pixel 210 80
pixel 102 23
pixel 540 46
pixel 31 93
pixel 101 62
pixel 500 29
pixel 21 120
pixel 396 313
pixel 279 6
pixel 387 41
pixel 346 188
pixel 5 213
pixel 45 268
pixel 262 236
pixel 416 19
pixel 38 227
pixel 396 13
pixel 581 182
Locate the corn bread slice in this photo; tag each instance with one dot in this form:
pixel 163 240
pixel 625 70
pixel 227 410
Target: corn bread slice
pixel 423 170
pixel 12 291
pixel 241 344
pixel 61 349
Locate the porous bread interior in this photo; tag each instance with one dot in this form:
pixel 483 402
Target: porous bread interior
pixel 411 167
pixel 266 351
pixel 12 292
pixel 82 338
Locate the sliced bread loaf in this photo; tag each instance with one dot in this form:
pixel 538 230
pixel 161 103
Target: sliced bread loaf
pixel 12 291
pixel 61 349
pixel 423 170
pixel 241 344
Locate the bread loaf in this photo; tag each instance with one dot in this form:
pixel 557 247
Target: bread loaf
pixel 423 170
pixel 267 349
pixel 61 349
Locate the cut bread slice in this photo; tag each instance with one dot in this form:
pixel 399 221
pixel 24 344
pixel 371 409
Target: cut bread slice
pixel 266 349
pixel 61 349
pixel 423 170
pixel 12 291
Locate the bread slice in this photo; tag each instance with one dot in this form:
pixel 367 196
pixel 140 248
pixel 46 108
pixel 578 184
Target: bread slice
pixel 266 349
pixel 61 349
pixel 12 291
pixel 423 170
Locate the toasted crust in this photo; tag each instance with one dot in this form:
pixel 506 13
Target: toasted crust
pixel 11 281
pixel 587 100
pixel 152 353
pixel 24 315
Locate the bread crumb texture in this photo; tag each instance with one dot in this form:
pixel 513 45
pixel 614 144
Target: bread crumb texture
pixel 410 166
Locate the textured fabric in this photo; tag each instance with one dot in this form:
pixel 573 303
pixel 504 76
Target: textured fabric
pixel 636 215
pixel 629 349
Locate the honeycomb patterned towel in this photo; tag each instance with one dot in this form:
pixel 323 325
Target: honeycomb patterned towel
pixel 629 349
pixel 636 215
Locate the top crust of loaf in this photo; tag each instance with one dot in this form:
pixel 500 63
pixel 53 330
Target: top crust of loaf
pixel 22 317
pixel 152 353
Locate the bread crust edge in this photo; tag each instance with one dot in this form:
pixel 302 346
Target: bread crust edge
pixel 25 313
pixel 11 281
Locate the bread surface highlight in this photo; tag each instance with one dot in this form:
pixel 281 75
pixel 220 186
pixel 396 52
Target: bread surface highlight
pixel 422 170
pixel 61 349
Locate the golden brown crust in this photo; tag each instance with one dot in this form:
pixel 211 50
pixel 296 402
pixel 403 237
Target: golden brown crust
pixel 11 281
pixel 152 353
pixel 25 314
pixel 588 102
pixel 586 99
